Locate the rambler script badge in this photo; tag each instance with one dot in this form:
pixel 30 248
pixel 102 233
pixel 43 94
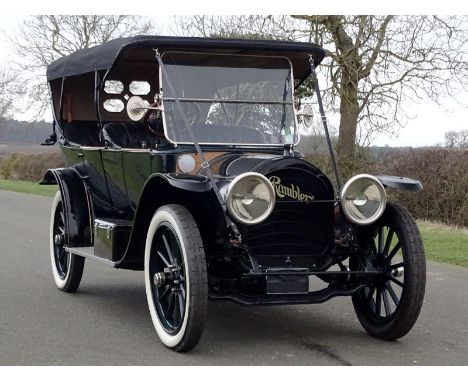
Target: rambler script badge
pixel 293 191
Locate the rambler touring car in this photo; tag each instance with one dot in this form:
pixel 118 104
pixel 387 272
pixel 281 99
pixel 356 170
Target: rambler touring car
pixel 181 162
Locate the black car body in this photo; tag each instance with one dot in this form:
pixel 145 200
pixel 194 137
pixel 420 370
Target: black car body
pixel 181 162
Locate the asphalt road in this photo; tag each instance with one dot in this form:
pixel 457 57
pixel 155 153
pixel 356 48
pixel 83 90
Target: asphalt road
pixel 107 321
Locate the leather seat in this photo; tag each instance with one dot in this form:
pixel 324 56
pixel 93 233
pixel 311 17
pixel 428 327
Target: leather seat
pixel 128 135
pixel 84 133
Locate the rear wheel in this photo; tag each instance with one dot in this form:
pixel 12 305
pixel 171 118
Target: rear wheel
pixel 175 277
pixel 389 307
pixel 67 268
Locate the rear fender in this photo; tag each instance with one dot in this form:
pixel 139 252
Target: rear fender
pixel 194 192
pixel 76 205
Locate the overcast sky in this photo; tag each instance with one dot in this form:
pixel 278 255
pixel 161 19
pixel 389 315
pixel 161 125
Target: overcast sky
pixel 427 124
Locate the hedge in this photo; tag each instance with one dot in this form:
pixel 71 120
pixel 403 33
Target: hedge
pixel 443 173
pixel 31 167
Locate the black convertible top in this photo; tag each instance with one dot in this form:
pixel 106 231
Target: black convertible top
pixel 102 57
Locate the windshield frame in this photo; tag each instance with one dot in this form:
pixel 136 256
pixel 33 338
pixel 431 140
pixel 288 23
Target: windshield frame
pixel 295 134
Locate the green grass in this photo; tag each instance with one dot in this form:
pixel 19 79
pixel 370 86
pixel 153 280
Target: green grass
pixel 442 243
pixel 27 187
pixel 445 244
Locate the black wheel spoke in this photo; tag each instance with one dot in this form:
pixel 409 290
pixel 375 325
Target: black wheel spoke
pixel 168 249
pixel 378 302
pixel 164 294
pixel 388 242
pixel 385 301
pixel 392 293
pixel 181 307
pixel 175 312
pixel 61 255
pixel 374 251
pixel 381 240
pixel 163 258
pixel 175 250
pixel 371 293
pixel 397 282
pixel 180 264
pixel 397 265
pixel 171 306
pixel 394 251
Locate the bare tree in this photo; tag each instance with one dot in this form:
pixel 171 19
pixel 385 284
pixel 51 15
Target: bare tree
pixel 375 64
pixel 43 39
pixel 456 139
pixel 6 96
pixel 242 26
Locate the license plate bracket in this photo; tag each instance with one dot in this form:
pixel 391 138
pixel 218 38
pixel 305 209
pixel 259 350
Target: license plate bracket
pixel 287 282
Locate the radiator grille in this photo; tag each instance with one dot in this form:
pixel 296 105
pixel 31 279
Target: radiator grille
pixel 299 230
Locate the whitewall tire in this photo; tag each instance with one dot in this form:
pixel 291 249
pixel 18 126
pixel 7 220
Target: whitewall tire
pixel 67 268
pixel 176 278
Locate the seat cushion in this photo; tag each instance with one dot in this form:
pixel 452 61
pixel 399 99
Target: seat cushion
pixel 129 135
pixel 85 133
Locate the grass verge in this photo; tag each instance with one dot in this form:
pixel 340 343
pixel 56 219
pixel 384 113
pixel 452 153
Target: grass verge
pixel 27 187
pixel 442 243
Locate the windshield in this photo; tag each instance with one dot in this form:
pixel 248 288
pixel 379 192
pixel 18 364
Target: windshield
pixel 228 99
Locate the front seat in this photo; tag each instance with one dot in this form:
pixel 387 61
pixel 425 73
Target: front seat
pixel 128 135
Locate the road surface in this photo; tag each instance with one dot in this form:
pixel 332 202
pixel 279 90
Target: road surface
pixel 107 321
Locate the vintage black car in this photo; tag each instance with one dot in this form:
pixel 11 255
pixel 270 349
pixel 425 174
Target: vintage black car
pixel 182 163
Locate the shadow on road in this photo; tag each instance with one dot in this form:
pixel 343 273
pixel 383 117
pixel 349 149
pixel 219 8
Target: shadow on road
pixel 231 328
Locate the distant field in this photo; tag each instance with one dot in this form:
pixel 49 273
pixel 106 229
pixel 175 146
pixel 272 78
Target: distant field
pixel 9 148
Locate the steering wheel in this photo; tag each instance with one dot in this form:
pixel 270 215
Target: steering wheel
pixel 159 133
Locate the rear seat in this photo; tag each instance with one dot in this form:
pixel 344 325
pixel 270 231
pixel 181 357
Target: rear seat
pixel 84 133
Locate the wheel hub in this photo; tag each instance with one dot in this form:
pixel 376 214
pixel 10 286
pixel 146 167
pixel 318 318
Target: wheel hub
pixel 59 239
pixel 170 277
pixel 159 279
pixel 397 272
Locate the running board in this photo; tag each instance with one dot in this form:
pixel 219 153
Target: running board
pixel 88 252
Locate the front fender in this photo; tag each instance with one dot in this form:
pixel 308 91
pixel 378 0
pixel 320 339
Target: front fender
pixel 76 205
pixel 194 192
pixel 400 183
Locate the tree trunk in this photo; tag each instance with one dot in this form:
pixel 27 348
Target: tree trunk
pixel 349 110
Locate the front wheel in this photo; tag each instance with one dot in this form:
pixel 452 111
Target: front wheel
pixel 390 306
pixel 175 277
pixel 67 268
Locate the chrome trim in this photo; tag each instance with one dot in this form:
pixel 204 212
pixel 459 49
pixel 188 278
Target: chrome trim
pixel 88 252
pixel 228 197
pixel 383 202
pixel 161 93
pixel 217 100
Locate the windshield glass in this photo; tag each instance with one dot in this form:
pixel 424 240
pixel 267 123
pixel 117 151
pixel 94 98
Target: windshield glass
pixel 228 99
